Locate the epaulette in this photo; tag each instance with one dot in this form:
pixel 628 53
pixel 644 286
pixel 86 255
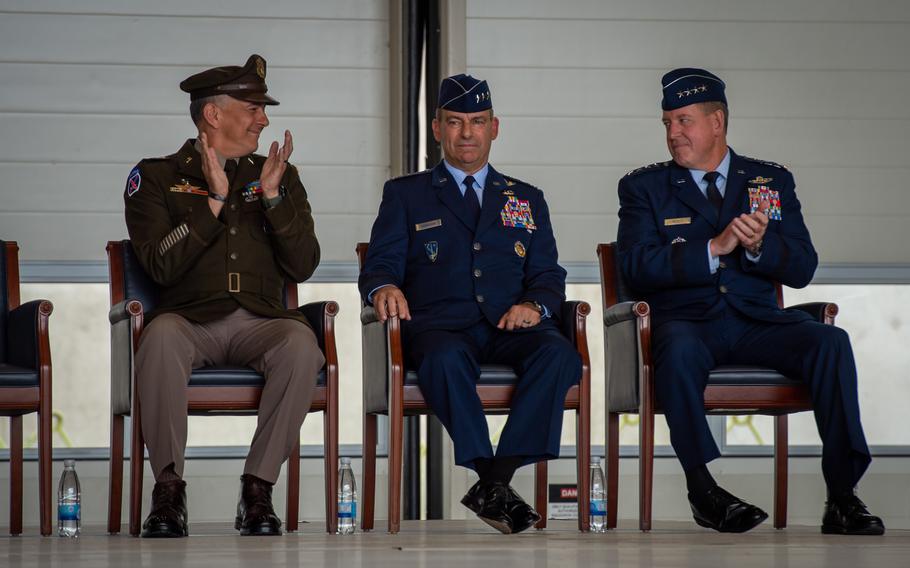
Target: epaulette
pixel 412 174
pixel 648 168
pixel 765 163
pixel 510 181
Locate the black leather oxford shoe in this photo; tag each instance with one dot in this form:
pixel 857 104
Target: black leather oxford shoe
pixel 475 497
pixel 849 515
pixel 494 511
pixel 167 518
pixel 255 515
pixel 719 510
pixel 522 515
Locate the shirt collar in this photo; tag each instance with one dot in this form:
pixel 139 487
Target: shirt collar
pixel 723 169
pixel 480 177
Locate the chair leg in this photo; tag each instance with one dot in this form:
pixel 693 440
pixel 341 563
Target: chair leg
pixel 137 463
pixel 293 504
pixel 583 466
pixel 330 427
pixel 45 463
pixel 115 483
pixel 781 454
pixel 15 475
pixel 646 470
pixel 369 471
pixel 396 441
pixel 612 468
pixel 540 493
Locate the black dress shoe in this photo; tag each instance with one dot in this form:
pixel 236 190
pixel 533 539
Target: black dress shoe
pixel 719 510
pixel 849 515
pixel 255 515
pixel 522 515
pixel 167 518
pixel 475 497
pixel 494 511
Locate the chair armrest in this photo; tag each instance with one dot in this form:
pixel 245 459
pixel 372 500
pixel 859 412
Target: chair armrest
pixel 375 361
pixel 823 312
pixel 621 350
pixel 25 332
pixel 618 313
pixel 125 318
pixel 572 318
pixel 320 315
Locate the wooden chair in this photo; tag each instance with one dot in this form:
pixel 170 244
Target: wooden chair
pixel 731 390
pixel 211 390
pixel 25 384
pixel 390 388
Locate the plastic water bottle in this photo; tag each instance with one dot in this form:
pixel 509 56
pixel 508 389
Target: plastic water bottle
pixel 347 498
pixel 598 518
pixel 69 502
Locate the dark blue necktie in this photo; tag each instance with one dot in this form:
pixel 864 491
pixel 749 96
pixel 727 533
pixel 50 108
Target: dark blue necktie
pixel 470 200
pixel 714 196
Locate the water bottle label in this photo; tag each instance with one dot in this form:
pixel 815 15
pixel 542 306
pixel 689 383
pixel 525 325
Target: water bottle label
pixel 598 507
pixel 347 510
pixel 69 512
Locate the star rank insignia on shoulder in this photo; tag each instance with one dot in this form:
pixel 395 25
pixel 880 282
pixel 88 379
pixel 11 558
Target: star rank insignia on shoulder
pixel 412 174
pixel 650 167
pixel 765 163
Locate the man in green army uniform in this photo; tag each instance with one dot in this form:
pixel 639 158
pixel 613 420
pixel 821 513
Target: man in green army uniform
pixel 220 230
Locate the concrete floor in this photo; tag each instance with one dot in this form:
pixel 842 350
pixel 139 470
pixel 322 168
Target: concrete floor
pixel 464 544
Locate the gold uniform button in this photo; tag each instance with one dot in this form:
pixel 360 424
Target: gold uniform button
pixel 233 231
pixel 233 207
pixel 233 256
pixel 722 264
pixel 723 289
pixel 477 246
pixel 477 273
pixel 480 298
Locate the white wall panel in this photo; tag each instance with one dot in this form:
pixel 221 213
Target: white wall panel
pixel 91 87
pixel 817 85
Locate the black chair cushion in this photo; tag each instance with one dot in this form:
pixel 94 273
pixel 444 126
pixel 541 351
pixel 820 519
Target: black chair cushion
pixel 748 376
pixel 17 377
pixel 489 375
pixel 229 376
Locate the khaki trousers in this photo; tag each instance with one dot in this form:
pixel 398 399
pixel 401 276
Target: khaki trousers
pixel 284 351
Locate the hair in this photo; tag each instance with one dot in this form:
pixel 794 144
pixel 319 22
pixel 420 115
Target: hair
pixel 713 106
pixel 197 106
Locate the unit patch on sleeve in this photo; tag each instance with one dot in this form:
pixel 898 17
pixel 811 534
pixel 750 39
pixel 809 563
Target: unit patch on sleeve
pixel 133 181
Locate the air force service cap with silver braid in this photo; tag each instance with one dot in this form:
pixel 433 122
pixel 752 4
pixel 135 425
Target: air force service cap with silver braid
pixel 686 86
pixel 463 93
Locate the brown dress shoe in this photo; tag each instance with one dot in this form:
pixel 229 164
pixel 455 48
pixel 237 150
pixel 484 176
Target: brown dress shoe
pixel 255 515
pixel 167 518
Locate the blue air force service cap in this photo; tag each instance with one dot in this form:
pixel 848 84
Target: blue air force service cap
pixel 463 93
pixel 686 86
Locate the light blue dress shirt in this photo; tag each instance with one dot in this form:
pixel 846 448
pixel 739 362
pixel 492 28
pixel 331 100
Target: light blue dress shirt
pixel 480 179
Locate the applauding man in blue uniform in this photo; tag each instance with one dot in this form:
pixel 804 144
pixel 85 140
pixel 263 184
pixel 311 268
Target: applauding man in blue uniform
pixel 465 256
pixel 704 238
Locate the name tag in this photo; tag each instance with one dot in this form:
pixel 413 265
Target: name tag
pixel 677 221
pixel 428 225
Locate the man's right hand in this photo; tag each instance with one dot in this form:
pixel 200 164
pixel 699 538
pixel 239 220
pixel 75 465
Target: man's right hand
pixel 389 302
pixel 726 242
pixel 214 174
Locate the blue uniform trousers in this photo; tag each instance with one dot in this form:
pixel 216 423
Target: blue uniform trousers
pixel 685 351
pixel 448 367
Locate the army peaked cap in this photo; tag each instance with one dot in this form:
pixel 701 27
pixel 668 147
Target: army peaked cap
pixel 246 83
pixel 686 86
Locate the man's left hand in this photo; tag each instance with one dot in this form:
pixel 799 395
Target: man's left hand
pixel 275 165
pixel 518 317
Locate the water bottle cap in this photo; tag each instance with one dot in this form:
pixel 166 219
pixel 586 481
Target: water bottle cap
pixel 345 461
pixel 69 463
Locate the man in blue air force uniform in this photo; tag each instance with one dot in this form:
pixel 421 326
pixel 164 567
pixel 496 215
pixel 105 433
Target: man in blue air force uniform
pixel 703 238
pixel 466 258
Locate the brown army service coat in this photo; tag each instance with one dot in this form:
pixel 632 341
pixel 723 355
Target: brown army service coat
pixel 207 267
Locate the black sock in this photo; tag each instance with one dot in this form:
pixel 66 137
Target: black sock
pixel 699 480
pixel 168 474
pixel 482 466
pixel 839 494
pixel 501 469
